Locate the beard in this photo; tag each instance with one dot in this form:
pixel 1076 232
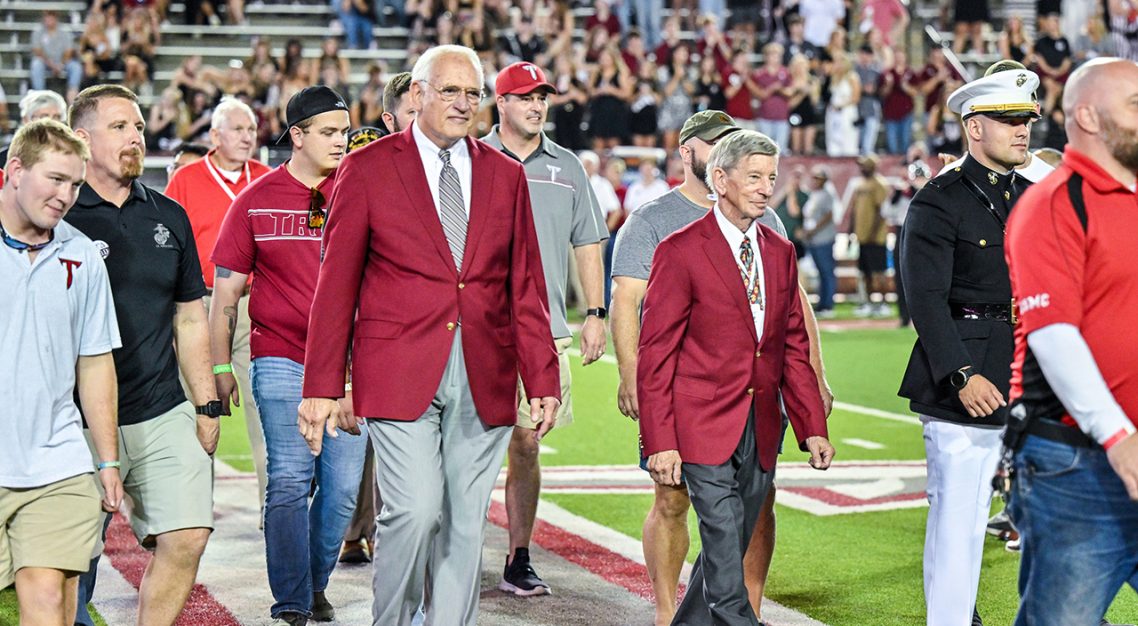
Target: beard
pixel 131 164
pixel 699 169
pixel 1122 142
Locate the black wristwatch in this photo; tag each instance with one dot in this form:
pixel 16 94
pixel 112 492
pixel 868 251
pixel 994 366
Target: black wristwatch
pixel 601 312
pixel 209 409
pixel 959 378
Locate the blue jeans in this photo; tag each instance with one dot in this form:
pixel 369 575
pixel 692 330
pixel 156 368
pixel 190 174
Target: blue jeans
pixel 357 30
pixel 302 541
pixel 823 255
pixel 38 72
pixel 899 134
pixel 778 130
pixel 1079 530
pixel 867 134
pixel 648 19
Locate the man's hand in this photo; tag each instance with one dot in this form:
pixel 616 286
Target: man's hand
pixel 348 421
pixel 112 488
pixel 209 429
pixel 543 412
pixel 593 339
pixel 626 398
pixel 227 390
pixel 980 397
pixel 1123 457
pixel 315 417
pixel 827 395
pixel 821 452
pixel 666 467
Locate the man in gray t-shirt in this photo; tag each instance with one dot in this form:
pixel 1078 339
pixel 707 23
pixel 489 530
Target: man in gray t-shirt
pixel 665 532
pixel 567 219
pixel 818 232
pixel 54 54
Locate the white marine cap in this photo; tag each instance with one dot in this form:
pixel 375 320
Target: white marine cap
pixel 1003 94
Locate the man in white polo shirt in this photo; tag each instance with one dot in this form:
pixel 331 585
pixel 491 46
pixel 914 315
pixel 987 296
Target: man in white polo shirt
pixel 59 330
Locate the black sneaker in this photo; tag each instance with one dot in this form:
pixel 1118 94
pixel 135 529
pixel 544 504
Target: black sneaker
pixel 520 579
pixel 976 621
pixel 322 610
pixel 290 618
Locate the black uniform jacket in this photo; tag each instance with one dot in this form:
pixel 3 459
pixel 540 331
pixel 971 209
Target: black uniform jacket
pixel 952 252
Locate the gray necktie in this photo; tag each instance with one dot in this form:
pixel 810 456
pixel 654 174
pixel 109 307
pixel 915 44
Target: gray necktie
pixel 451 211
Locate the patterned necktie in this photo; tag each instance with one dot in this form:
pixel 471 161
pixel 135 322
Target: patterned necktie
pixel 451 211
pixel 746 264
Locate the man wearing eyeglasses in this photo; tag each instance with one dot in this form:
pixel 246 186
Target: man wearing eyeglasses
pixel 438 277
pixel 566 215
pixel 273 231
pixel 207 188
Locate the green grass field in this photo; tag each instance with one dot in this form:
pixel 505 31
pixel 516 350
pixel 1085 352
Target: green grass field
pixel 846 570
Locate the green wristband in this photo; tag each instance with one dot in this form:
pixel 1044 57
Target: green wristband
pixel 109 464
pixel 224 368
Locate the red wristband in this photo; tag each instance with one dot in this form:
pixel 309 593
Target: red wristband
pixel 1115 438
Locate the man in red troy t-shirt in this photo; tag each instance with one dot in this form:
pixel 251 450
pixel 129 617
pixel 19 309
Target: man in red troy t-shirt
pixel 273 232
pixel 1074 389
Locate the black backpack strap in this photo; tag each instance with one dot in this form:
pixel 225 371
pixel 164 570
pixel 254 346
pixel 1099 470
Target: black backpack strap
pixel 1075 192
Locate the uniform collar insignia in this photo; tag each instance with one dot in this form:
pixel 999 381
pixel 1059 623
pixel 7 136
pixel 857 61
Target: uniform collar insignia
pixel 993 178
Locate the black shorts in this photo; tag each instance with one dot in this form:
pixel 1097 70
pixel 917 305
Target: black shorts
pixel 871 259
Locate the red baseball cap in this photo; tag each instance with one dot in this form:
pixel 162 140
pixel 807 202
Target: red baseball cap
pixel 521 78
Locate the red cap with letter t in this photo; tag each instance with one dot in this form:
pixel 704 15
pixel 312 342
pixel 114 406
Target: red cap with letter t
pixel 520 79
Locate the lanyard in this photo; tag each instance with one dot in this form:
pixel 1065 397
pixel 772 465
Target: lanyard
pixel 221 181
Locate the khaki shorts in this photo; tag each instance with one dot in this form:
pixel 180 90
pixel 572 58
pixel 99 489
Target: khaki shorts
pixel 54 526
pixel 565 411
pixel 166 473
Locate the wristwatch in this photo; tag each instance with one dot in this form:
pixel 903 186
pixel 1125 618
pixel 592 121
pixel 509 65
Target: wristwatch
pixel 601 312
pixel 209 409
pixel 959 378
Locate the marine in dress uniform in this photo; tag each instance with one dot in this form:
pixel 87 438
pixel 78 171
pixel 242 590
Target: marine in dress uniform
pixel 959 295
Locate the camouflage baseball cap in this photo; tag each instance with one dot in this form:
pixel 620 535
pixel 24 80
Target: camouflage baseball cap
pixel 707 125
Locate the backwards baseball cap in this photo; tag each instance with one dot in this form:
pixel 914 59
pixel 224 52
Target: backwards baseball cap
pixel 1002 94
pixel 707 125
pixel 309 102
pixel 520 79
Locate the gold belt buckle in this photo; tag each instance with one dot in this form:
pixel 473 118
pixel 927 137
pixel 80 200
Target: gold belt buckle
pixel 1014 313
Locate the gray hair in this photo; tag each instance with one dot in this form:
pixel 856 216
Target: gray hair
pixel 227 104
pixel 735 147
pixel 426 63
pixel 37 99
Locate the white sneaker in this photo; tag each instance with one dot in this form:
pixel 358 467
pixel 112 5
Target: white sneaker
pixel 881 309
pixel 863 310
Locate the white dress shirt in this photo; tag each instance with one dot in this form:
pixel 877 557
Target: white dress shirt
pixel 734 238
pixel 433 166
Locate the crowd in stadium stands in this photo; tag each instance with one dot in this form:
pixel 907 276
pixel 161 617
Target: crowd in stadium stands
pixel 822 81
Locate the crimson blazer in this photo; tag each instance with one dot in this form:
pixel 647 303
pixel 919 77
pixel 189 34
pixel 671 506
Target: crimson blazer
pixel 700 366
pixel 385 250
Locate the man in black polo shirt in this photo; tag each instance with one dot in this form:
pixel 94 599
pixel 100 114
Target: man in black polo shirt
pixel 148 245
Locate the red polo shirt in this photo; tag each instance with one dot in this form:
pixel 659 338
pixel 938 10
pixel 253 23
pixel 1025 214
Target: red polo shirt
pixel 1061 274
pixel 266 234
pixel 206 196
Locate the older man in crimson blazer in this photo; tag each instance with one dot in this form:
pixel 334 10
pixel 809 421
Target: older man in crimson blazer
pixel 722 337
pixel 432 258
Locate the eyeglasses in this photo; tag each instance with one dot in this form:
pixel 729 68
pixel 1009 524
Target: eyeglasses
pixel 316 213
pixel 450 93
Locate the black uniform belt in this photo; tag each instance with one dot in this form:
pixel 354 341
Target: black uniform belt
pixel 995 312
pixel 1055 431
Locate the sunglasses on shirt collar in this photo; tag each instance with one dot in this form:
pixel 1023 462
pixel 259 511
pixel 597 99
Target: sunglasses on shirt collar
pixel 316 212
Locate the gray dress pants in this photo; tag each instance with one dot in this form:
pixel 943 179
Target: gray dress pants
pixel 436 475
pixel 727 499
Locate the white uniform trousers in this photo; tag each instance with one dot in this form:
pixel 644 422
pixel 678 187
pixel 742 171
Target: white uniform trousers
pixel 961 462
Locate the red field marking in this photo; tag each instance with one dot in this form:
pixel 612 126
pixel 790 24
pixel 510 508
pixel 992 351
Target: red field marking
pixel 130 560
pixel 596 558
pixel 822 494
